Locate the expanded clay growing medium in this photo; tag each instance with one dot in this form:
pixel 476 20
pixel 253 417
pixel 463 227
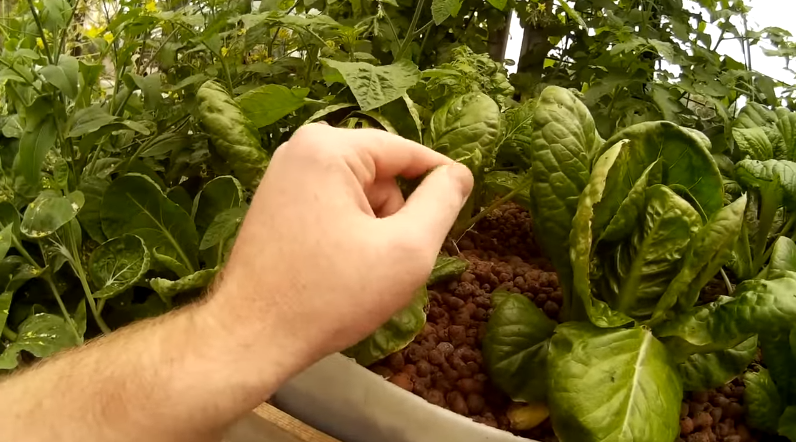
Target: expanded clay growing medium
pixel 444 364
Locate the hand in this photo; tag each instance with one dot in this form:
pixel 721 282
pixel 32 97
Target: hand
pixel 329 249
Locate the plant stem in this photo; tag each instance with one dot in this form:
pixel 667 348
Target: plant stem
pixel 62 45
pixel 21 249
pixel 768 210
pixel 157 51
pixel 77 267
pixel 524 184
pixel 389 23
pixel 41 31
pixel 138 152
pixel 64 311
pixel 788 225
pixel 16 71
pixel 410 33
pixel 424 28
pixel 11 335
pixel 726 281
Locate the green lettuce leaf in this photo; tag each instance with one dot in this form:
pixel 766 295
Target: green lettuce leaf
pixel 393 335
pixel 686 159
pixel 599 312
pixel 702 372
pixel 515 347
pixel 762 401
pixel 707 252
pixel 612 385
pixel 637 272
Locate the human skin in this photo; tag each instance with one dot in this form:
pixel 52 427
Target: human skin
pixel 328 251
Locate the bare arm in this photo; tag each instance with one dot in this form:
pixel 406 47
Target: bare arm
pixel 328 251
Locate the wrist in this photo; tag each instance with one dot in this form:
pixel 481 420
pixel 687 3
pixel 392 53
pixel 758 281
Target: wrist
pixel 251 341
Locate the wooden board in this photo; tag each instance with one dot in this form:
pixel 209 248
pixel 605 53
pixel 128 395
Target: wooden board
pixel 268 424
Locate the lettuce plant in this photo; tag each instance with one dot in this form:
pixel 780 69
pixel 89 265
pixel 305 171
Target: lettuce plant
pixel 642 220
pixel 765 143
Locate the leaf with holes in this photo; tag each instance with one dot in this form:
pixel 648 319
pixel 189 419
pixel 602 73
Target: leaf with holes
pixel 118 264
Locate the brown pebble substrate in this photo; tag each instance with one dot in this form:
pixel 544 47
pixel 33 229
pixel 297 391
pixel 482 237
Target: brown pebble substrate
pixel 444 364
pixel 718 416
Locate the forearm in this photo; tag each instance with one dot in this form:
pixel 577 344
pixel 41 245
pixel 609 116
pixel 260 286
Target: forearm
pixel 170 378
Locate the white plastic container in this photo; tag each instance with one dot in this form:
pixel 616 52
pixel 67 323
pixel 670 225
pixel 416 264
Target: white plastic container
pixel 353 404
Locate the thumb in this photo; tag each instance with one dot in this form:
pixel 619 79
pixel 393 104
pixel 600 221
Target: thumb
pixel 433 207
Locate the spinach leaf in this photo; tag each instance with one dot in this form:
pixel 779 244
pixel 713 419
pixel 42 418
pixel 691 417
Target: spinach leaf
pixel 763 403
pixel 118 264
pixel 41 335
pixel 562 145
pixel 135 204
pixel 515 347
pixel 759 307
pixel 612 384
pixel 686 159
pixel 196 280
pixel 445 268
pixel 393 335
pixel 702 372
pixel 466 129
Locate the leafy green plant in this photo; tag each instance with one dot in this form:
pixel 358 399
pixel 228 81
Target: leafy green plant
pixel 764 168
pixel 647 232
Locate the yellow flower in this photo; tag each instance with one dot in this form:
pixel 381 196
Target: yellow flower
pixel 284 34
pixel 242 31
pixel 39 43
pixel 224 51
pixel 151 6
pixel 330 44
pixel 94 32
pixel 108 37
pixel 542 6
pixel 269 60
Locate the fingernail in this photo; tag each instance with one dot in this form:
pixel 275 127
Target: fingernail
pixel 464 178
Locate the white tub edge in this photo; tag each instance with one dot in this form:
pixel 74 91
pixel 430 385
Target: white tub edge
pixel 353 404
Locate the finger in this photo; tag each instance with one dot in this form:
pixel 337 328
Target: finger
pixel 434 205
pixel 385 197
pixel 381 154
